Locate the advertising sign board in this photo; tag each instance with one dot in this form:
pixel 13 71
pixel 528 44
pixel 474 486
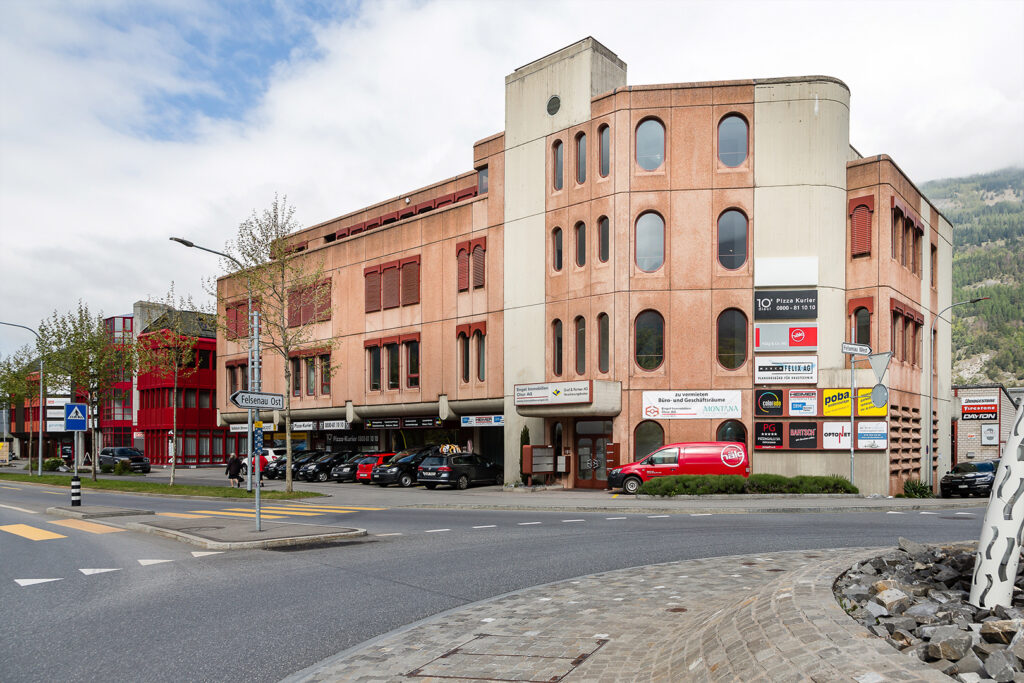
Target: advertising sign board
pixel 332 425
pixel 421 422
pixel 803 402
pixel 768 435
pixel 872 435
pixel 303 426
pixel 867 408
pixel 796 304
pixel 384 423
pixel 803 435
pixel 835 402
pixel 55 425
pixel 835 435
pixel 768 402
pixel 770 337
pixel 785 369
pixel 483 420
pixel 979 407
pixel 691 405
pixel 553 393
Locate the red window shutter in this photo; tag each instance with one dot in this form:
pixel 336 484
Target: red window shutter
pixel 479 261
pixel 231 315
pixel 463 270
pixel 242 311
pixel 294 308
pixel 306 298
pixel 372 291
pixel 390 289
pixel 410 283
pixel 860 231
pixel 323 302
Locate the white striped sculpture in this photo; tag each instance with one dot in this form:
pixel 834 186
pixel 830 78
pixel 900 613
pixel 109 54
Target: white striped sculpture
pixel 995 568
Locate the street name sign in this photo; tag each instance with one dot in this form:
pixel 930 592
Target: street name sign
pixel 75 419
pixel 256 400
pixel 856 349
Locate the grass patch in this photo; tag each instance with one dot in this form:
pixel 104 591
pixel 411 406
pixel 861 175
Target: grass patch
pixel 705 485
pixel 152 487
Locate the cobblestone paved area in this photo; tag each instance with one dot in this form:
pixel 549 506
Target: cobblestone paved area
pixel 767 617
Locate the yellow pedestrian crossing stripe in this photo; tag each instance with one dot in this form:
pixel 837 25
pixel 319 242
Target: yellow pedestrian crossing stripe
pixel 250 515
pixel 181 515
pixel 13 488
pixel 283 511
pixel 30 532
pixel 91 527
pixel 332 508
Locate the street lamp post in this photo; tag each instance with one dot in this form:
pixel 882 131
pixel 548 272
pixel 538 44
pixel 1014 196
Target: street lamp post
pixel 931 386
pixel 254 377
pixel 42 408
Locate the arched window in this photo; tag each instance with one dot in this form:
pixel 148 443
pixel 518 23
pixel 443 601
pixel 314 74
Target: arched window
pixel 731 430
pixel 862 322
pixel 648 437
pixel 557 164
pixel 650 241
pixel 481 356
pixel 605 133
pixel 732 338
pixel 604 238
pixel 650 144
pixel 556 248
pixel 732 239
pixel 732 140
pixel 581 244
pixel 581 158
pixel 464 356
pixel 602 342
pixel 581 345
pixel 556 347
pixel 649 329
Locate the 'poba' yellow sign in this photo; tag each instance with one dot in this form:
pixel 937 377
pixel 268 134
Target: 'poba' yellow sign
pixel 836 402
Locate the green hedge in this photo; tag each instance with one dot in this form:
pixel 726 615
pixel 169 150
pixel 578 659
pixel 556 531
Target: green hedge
pixel 703 485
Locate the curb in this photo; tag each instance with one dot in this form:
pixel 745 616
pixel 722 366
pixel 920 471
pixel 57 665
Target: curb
pixel 84 514
pixel 682 511
pixel 172 496
pixel 290 541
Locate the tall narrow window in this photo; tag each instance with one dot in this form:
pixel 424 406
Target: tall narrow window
pixel 935 265
pixel 464 357
pixel 650 144
pixel 649 340
pixel 605 134
pixel 463 268
pixel 650 242
pixel 732 239
pixel 862 324
pixel 557 164
pixel 481 356
pixel 581 158
pixel 732 338
pixel 479 264
pixel 602 342
pixel 390 287
pixel 732 140
pixel 412 364
pixel 896 232
pixel 310 376
pixel 391 351
pixel 556 248
pixel 296 376
pixel 581 346
pixel 325 375
pixel 581 244
pixel 232 373
pixel 372 276
pixel 605 239
pixel 481 180
pixel 556 348
pixel 373 363
pixel 410 275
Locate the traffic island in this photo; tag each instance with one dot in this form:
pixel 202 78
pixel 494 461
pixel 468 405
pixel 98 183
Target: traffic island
pixel 240 534
pixel 95 511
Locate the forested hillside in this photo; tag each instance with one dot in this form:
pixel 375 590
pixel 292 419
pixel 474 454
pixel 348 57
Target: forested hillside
pixel 987 214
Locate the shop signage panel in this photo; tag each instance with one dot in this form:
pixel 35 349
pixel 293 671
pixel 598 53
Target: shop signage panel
pixel 553 393
pixel 872 435
pixel 785 369
pixel 770 337
pixel 802 402
pixel 867 408
pixel 421 422
pixel 354 438
pixel 331 425
pixel 55 413
pixel 803 435
pixel 836 402
pixel 768 435
pixel 306 426
pixel 768 402
pixel 55 425
pixel 979 407
pixel 835 435
pixel 384 423
pixel 989 435
pixel 795 304
pixel 483 420
pixel 691 405
pixel 57 401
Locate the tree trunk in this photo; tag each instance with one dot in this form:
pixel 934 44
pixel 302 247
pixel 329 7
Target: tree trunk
pixel 30 434
pixel 174 424
pixel 288 425
pixel 94 457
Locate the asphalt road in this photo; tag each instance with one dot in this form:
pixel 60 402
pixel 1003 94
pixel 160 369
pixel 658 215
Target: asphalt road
pixel 261 615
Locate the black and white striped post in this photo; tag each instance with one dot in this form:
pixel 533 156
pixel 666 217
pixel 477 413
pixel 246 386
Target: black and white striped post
pixel 76 491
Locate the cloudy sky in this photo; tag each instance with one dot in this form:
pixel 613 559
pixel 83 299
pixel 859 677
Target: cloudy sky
pixel 122 123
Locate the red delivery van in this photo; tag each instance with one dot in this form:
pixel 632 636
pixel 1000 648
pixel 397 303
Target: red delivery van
pixel 708 457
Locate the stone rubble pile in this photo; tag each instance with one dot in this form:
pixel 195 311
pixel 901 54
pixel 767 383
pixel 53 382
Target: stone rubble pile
pixel 916 599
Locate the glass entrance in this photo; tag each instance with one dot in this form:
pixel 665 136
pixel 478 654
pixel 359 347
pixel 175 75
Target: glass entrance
pixel 591 464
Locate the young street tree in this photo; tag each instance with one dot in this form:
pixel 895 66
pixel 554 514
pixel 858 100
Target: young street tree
pixel 290 290
pixel 19 382
pixel 81 354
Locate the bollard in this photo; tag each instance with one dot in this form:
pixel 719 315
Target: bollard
pixel 76 491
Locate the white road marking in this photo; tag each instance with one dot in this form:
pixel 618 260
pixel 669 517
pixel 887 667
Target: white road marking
pixel 929 513
pixel 528 523
pixel 600 635
pixel 893 512
pixel 566 521
pixel 615 518
pixel 146 563
pixel 32 582
pixel 391 534
pixel 966 514
pixel 543 599
pixel 700 514
pixel 618 599
pixel 89 572
pixel 656 516
pixel 434 531
pixel 657 587
pixel 11 507
pixel 487 620
pixel 204 553
pixel 486 526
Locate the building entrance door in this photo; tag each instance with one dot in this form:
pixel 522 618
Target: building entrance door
pixel 591 465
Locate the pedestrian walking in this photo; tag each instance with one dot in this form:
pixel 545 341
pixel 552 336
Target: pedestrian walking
pixel 233 469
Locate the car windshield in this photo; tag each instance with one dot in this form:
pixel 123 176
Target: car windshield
pixel 433 461
pixel 968 467
pixel 325 458
pixel 369 461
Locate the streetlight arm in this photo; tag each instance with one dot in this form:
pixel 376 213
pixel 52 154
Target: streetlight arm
pixel 42 408
pixel 193 245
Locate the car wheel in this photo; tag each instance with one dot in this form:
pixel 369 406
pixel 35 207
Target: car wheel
pixel 944 494
pixel 323 476
pixel 431 487
pixel 462 484
pixel 382 485
pixel 405 481
pixel 631 485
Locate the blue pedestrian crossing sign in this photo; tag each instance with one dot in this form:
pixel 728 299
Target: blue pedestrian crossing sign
pixel 75 417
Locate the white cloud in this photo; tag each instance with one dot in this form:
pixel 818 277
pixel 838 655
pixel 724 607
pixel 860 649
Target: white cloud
pixel 392 99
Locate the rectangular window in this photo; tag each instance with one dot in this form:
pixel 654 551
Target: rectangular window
pixel 243 374
pixel 325 375
pixel 481 357
pixel 935 265
pixel 481 180
pixel 204 399
pixel 237 322
pixel 479 264
pixel 373 366
pixel 412 364
pixel 463 267
pixel 310 376
pixel 410 281
pixel 232 373
pixel 372 277
pixel 309 304
pixel 393 362
pixel 390 296
pixel 191 399
pixel 464 357
pixel 860 231
pixel 296 376
pixel 892 336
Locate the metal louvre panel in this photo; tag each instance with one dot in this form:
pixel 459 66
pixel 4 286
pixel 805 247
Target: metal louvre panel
pixel 463 270
pixel 479 262
pixel 860 231
pixel 389 288
pixel 372 292
pixel 410 283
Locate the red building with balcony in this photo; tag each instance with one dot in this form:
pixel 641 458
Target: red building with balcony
pixel 199 440
pixel 116 417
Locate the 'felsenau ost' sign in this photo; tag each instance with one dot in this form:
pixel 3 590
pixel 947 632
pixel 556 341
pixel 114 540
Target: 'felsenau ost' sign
pixel 797 304
pixel 691 405
pixel 553 393
pixel 785 369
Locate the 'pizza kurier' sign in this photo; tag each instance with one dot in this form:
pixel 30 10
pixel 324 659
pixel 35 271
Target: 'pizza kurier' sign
pixel 789 304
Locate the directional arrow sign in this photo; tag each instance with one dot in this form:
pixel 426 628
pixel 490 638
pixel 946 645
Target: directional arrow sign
pixel 856 349
pixel 255 400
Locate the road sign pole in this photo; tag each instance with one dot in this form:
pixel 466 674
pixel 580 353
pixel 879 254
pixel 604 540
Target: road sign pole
pixel 254 368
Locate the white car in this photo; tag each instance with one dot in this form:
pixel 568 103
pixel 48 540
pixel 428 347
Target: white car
pixel 271 454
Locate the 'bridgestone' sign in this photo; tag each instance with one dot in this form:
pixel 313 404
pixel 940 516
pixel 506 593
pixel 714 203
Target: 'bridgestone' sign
pixel 254 400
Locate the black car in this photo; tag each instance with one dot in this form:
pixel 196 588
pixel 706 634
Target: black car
pixel 458 470
pixel 319 469
pixel 276 469
pixel 402 468
pixel 969 478
pixel 346 470
pixel 133 456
